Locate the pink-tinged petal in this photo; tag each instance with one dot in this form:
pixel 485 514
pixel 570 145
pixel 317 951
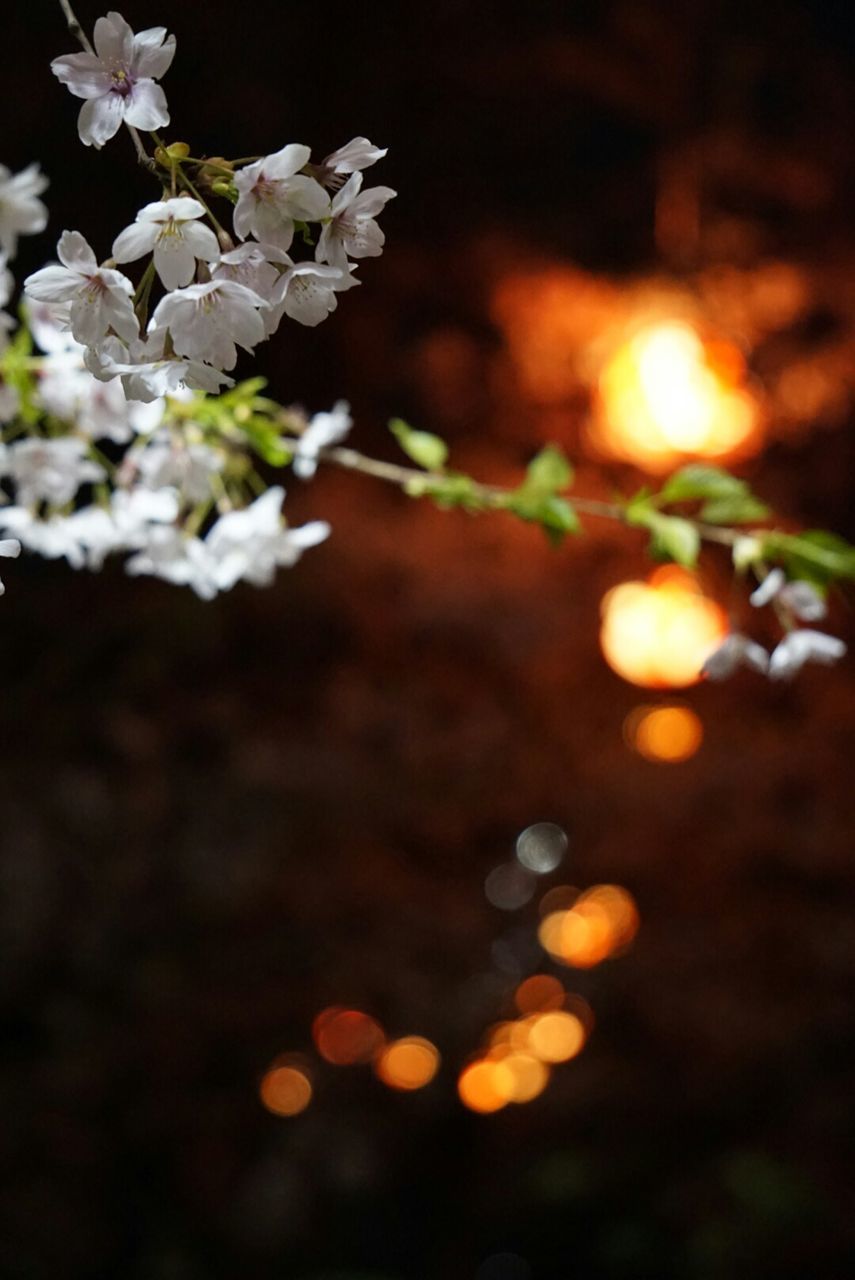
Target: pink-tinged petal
pixel 99 120
pixel 152 54
pixel 113 39
pixel 366 241
pixel 243 215
pixel 309 302
pixel 369 203
pixel 348 193
pixel 287 162
pixel 145 106
pixel 74 252
pixel 201 241
pixel 122 317
pixel 357 154
pixel 182 208
pixel 51 284
pixel 271 227
pixel 83 73
pixel 135 241
pixel 246 328
pixel 175 262
pixel 330 248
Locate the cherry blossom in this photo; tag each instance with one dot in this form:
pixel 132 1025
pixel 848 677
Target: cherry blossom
pixel 206 320
pixel 175 557
pixel 256 266
pixel 799 597
pixel 357 154
pixel 352 228
pixel 306 292
pixel 273 194
pixel 101 298
pixel 171 229
pixel 736 650
pixel 21 211
pixel 804 645
pixel 168 462
pixel 118 80
pixel 9 548
pixel 49 470
pixel 324 429
pixel 146 375
pixel 252 543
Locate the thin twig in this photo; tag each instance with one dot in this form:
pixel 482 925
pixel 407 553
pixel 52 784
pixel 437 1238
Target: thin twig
pixel 74 26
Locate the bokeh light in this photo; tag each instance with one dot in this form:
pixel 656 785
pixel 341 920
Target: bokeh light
pixel 541 847
pixel 665 734
pixel 408 1063
pixel 658 633
pixel 485 1086
pixel 666 395
pixel 347 1037
pixel 539 993
pixel 602 922
pixel 286 1089
pixel 557 1036
pixel 509 886
pixel 527 1076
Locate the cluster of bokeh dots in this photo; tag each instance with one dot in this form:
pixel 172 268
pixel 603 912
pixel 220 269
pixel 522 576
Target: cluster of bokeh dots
pixel 517 1055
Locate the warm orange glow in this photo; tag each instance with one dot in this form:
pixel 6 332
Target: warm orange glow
pixel 285 1090
pixel 666 395
pixel 526 1077
pixel 602 921
pixel 539 993
pixel 346 1036
pixel 664 734
pixel 485 1086
pixel 557 1036
pixel 658 633
pixel 407 1064
pixel 558 898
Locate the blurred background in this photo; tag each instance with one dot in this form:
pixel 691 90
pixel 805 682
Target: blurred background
pixel 247 846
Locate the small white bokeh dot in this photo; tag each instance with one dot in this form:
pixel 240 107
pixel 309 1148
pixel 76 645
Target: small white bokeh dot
pixel 541 847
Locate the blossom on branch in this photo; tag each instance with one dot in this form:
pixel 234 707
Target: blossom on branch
pixel 357 154
pixel 206 320
pixel 21 211
pixel 352 228
pixel 101 298
pixel 735 651
pixel 171 229
pixel 273 194
pixel 804 645
pixel 118 80
pixel 306 292
pixel 325 429
pixel 49 470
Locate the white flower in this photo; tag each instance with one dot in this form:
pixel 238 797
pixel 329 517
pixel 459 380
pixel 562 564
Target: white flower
pixel 351 228
pixel 170 228
pixel 53 538
pixel 801 646
pixel 252 265
pixel 306 292
pixel 21 212
pixel 165 462
pixel 357 154
pixel 118 80
pixel 323 430
pixel 126 525
pixel 101 299
pixel 146 376
pixel 800 597
pixel 10 402
pixel 9 547
pixel 206 320
pixel 735 651
pixel 273 195
pixel 176 557
pixel 49 470
pixel 252 543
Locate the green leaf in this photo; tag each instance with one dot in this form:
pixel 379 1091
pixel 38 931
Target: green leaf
pixel 425 449
pixel 697 481
pixel 554 514
pixel 671 537
pixel 735 508
pixel 548 472
pixel 817 556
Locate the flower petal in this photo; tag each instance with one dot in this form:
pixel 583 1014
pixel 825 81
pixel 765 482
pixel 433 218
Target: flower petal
pixel 99 120
pixel 84 75
pixel 75 253
pixel 175 261
pixel 287 162
pixel 152 53
pixel 135 241
pixel 113 39
pixel 51 284
pixel 145 106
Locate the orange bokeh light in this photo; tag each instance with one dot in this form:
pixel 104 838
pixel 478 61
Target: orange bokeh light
pixel 407 1064
pixel 347 1037
pixel 285 1090
pixel 538 993
pixel 557 1036
pixel 664 734
pixel 602 921
pixel 666 395
pixel 657 634
pixel 485 1086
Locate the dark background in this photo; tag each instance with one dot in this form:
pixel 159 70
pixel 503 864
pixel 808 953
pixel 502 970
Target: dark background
pixel 219 818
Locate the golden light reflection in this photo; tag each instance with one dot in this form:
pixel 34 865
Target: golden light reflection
pixel 666 735
pixel 601 923
pixel 285 1090
pixel 346 1037
pixel 524 1077
pixel 407 1064
pixel 658 633
pixel 557 1036
pixel 665 395
pixel 485 1086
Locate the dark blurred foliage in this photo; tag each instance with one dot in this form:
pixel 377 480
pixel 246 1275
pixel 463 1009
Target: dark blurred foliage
pixel 218 818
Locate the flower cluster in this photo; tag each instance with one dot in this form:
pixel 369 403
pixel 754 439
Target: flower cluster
pixel 121 452
pixel 795 601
